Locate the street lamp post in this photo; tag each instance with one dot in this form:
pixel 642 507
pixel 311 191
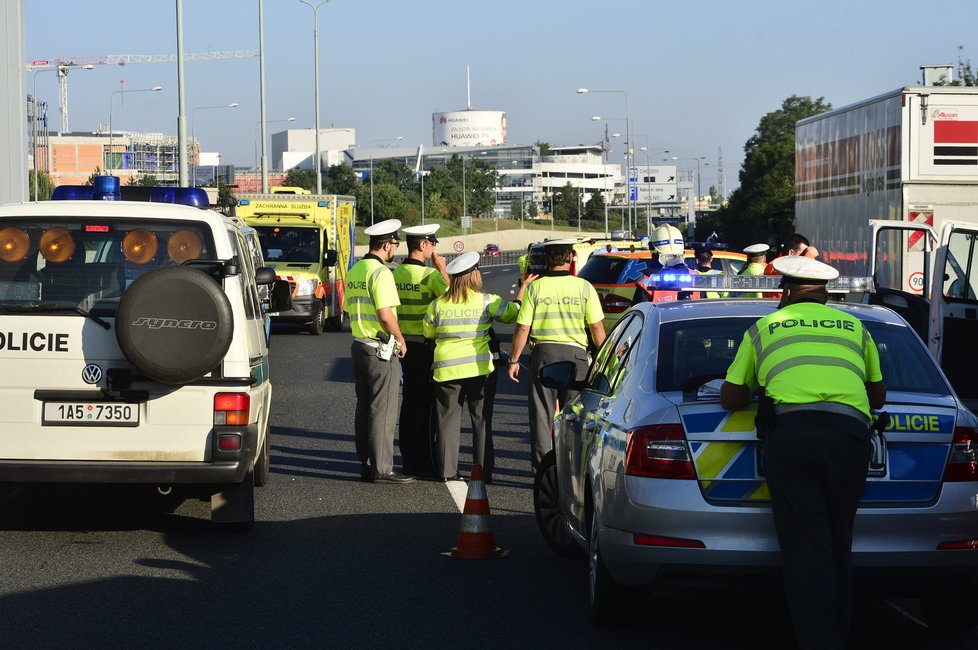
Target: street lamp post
pixel 372 169
pixel 154 89
pixel 193 134
pixel 258 124
pixel 315 53
pixel 628 150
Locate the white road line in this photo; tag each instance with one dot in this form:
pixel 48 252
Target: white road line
pixel 458 490
pixel 906 614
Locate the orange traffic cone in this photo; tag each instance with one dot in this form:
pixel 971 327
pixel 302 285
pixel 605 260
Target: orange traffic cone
pixel 475 539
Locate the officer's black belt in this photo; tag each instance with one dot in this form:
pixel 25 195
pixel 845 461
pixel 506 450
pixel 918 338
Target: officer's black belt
pixel 825 407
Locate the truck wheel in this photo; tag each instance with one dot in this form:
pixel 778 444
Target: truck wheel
pixel 553 524
pixel 174 324
pixel 233 508
pixel 318 324
pixel 263 462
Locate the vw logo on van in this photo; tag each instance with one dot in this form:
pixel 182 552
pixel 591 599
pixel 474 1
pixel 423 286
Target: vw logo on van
pixel 92 374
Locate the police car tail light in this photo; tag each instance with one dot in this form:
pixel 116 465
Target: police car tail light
pixel 57 245
pixel 963 462
pixel 139 246
pixel 959 545
pixel 231 408
pixel 659 451
pixel 614 304
pixel 184 245
pixel 660 540
pixel 14 244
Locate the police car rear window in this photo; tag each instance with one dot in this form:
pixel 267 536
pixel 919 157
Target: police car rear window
pixel 603 270
pixel 88 263
pixel 696 348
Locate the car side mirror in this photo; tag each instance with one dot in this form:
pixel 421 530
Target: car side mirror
pixel 280 297
pixel 561 375
pixel 329 259
pixel 264 275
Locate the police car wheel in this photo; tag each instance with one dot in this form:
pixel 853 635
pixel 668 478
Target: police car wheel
pixel 318 323
pixel 174 324
pixel 951 612
pixel 553 524
pixel 608 602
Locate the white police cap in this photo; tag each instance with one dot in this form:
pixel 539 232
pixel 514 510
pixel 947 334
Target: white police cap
pixel 463 263
pixel 384 229
pixel 804 269
pixel 560 242
pixel 757 249
pixel 426 231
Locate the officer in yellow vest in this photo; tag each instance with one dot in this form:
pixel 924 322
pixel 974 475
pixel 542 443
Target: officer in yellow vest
pixel 558 315
pixel 417 285
pixel 371 301
pixel 756 262
pixel 459 324
pixel 820 369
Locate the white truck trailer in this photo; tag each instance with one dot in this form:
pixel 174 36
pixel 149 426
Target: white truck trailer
pixel 888 187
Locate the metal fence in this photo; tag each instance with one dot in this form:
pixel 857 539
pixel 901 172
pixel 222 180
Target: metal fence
pixel 505 257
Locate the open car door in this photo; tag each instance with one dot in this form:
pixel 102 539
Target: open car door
pixel 954 308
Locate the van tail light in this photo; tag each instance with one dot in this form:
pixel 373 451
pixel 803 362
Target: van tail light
pixel 614 304
pixel 963 462
pixel 232 408
pixel 672 542
pixel 959 545
pixel 573 266
pixel 659 451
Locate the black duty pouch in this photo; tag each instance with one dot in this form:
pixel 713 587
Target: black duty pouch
pixel 495 349
pixel 766 418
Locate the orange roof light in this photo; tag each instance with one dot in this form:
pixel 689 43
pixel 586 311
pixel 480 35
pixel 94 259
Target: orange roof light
pixel 57 245
pixel 14 244
pixel 184 245
pixel 139 246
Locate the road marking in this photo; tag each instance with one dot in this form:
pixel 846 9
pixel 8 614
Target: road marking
pixel 906 614
pixel 458 490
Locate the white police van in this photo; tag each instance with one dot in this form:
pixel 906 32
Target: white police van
pixel 133 345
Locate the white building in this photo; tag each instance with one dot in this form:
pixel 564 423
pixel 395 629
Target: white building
pixel 297 147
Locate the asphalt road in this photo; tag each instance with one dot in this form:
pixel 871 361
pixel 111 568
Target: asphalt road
pixel 333 562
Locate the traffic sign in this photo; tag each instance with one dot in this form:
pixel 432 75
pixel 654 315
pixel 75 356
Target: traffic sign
pixel 916 282
pixel 633 193
pixel 458 246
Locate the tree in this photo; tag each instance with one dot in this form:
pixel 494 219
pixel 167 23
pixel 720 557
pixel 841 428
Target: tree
pixel 340 179
pixel 304 178
pixel 544 147
pixel 767 176
pixel 393 172
pixel 594 208
pixel 566 203
pixel 389 203
pixel 91 177
pixel 45 186
pixel 151 181
pixel 435 206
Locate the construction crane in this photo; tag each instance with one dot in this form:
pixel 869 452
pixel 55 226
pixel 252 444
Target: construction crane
pixel 65 63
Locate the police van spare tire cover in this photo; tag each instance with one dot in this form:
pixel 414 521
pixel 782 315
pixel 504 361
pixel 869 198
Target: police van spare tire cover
pixel 174 324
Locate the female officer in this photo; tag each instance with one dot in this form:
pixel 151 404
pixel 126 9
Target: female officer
pixel 459 322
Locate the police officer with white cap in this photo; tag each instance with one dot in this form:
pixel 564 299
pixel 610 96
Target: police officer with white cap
pixel 371 301
pixel 756 262
pixel 417 285
pixel 459 323
pixel 668 255
pixel 559 314
pixel 820 371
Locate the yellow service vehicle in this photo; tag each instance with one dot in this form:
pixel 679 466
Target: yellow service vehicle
pixel 308 240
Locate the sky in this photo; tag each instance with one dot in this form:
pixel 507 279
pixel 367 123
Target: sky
pixel 698 74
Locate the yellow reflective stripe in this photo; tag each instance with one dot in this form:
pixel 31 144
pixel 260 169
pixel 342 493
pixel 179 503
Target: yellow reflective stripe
pixel 447 363
pixel 715 457
pixel 812 360
pixel 829 339
pixel 357 300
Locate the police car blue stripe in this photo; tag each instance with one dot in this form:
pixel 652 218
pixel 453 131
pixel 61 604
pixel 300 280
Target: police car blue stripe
pixel 917 462
pixel 743 465
pixel 703 422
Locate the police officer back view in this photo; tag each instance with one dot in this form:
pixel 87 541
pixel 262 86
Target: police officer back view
pixel 371 300
pixel 558 312
pixel 417 285
pixel 820 368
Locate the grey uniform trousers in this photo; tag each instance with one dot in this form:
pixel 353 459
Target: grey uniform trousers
pixel 377 387
pixel 543 401
pixel 816 470
pixel 449 396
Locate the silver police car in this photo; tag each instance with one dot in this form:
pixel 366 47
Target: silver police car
pixel 655 482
